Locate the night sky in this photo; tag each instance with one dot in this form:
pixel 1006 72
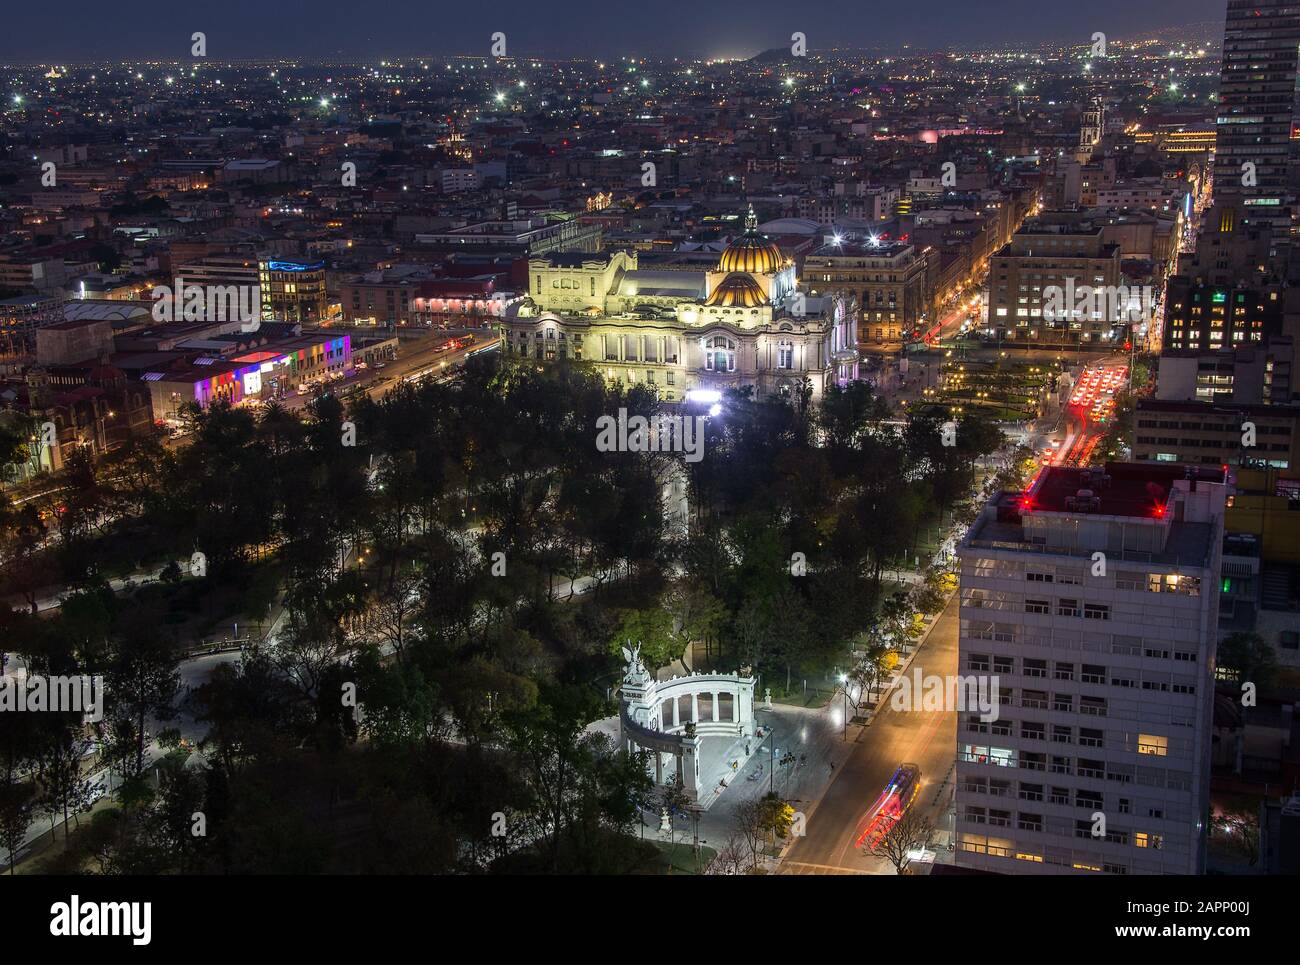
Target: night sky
pixel 80 30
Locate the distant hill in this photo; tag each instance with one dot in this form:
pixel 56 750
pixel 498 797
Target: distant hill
pixel 777 55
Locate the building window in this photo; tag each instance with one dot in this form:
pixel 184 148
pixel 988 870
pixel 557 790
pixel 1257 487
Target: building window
pixel 785 354
pixel 720 354
pixel 1151 744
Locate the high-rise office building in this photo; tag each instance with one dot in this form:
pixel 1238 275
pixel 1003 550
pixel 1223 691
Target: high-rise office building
pixel 1229 292
pixel 1093 599
pixel 1257 98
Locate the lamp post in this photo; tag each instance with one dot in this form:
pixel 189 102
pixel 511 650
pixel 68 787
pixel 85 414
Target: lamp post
pixel 844 685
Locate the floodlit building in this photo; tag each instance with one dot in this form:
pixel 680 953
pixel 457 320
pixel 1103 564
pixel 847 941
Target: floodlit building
pixel 739 323
pixel 268 372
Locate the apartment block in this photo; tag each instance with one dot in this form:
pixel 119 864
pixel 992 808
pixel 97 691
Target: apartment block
pixel 1093 599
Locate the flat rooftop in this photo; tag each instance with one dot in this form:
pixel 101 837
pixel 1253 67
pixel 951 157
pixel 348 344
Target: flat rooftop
pixel 882 249
pixel 1135 491
pixel 1123 488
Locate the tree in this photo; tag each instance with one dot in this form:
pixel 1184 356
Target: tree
pixel 17 806
pixel 730 859
pixel 171 573
pixel 386 621
pixel 16 433
pixel 699 614
pixel 252 712
pixel 777 817
pixel 143 679
pixel 1247 657
pixel 1236 827
pixel 22 535
pixel 908 833
pixel 545 740
pixel 751 827
pixel 673 799
pixel 63 788
pixel 896 617
pixel 20 736
pixel 652 628
pixel 316 637
pixel 878 659
pixel 934 591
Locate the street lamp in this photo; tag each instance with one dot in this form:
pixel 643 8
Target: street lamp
pixel 844 682
pixel 771 764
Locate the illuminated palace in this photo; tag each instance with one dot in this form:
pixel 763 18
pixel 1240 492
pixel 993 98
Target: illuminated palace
pixel 739 322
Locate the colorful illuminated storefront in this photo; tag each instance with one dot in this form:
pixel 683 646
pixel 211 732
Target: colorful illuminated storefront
pixel 264 374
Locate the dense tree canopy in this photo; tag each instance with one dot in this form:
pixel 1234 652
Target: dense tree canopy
pixel 448 596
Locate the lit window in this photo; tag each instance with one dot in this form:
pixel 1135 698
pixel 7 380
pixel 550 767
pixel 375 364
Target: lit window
pixel 1151 744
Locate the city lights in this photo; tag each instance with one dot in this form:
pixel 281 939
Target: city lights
pixel 529 441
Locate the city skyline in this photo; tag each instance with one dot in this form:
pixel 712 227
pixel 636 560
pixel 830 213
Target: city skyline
pixel 151 31
pixel 620 442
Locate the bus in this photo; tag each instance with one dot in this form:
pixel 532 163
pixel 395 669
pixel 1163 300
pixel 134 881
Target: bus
pixel 892 804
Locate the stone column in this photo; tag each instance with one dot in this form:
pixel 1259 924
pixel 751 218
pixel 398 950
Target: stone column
pixel 744 704
pixel 695 708
pixel 689 767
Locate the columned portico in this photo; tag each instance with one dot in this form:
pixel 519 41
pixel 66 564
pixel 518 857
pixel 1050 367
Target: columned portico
pixel 646 722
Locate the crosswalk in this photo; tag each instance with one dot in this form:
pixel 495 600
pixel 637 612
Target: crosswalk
pixel 806 868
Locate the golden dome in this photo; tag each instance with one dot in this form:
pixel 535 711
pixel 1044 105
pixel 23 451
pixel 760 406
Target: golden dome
pixel 751 251
pixel 737 291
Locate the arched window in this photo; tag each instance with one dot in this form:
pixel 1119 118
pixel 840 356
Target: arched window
pixel 720 354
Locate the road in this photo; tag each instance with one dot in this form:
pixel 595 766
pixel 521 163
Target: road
pixel 927 738
pixel 116 583
pixel 426 360
pixel 1091 408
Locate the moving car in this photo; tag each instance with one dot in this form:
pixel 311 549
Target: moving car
pixel 892 804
